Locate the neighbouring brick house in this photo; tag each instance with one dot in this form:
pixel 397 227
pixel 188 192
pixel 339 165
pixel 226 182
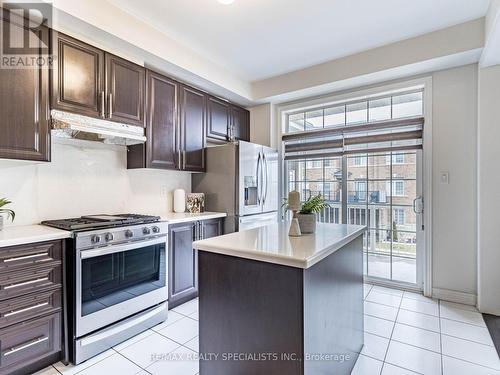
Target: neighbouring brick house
pixel 380 191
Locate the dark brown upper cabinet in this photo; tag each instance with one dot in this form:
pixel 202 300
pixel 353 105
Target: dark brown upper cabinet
pixel 227 122
pixel 240 124
pixel 161 122
pixel 24 107
pixel 77 81
pixel 160 149
pixel 90 82
pixel 125 85
pixel 192 121
pixel 218 124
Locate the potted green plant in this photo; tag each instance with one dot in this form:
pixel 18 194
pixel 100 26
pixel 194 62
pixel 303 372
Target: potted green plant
pixel 10 214
pixel 308 211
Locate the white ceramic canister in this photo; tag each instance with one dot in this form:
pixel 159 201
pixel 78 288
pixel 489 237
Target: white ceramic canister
pixel 179 200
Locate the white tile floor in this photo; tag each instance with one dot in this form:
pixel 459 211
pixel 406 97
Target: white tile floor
pixel 405 333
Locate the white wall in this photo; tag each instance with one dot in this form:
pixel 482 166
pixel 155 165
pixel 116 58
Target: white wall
pixel 489 191
pixel 88 178
pixel 454 205
pixel 262 125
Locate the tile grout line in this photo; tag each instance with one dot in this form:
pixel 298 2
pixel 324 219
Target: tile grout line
pixel 390 338
pixel 440 336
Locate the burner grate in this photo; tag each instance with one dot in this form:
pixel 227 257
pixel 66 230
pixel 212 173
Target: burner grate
pixel 100 221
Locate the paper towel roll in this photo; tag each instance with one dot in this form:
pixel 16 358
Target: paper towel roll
pixel 179 200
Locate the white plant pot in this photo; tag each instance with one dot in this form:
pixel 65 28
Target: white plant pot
pixel 307 223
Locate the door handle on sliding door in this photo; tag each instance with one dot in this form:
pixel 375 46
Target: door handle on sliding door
pixel 420 208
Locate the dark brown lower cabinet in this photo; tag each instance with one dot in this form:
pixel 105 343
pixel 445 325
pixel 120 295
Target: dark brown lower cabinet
pixel 183 259
pixel 31 334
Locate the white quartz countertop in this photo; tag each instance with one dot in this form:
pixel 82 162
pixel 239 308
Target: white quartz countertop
pixel 174 217
pixel 23 234
pixel 272 244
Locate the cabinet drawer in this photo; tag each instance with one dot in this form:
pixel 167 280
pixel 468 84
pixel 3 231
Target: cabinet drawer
pixel 16 310
pixel 25 343
pixel 23 256
pixel 21 282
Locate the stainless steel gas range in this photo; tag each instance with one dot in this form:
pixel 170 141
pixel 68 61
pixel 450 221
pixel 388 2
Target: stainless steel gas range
pixel 116 280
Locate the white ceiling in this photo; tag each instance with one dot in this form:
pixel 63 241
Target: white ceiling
pixel 257 39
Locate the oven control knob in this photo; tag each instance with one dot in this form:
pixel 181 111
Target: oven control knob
pixel 156 229
pixel 95 238
pixel 129 233
pixel 146 230
pixel 109 237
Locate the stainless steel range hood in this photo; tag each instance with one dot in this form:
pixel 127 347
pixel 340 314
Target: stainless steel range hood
pixel 69 125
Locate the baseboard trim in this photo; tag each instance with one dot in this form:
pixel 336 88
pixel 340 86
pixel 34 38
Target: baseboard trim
pixel 454 296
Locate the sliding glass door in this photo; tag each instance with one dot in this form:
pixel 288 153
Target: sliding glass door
pixel 365 158
pixel 384 190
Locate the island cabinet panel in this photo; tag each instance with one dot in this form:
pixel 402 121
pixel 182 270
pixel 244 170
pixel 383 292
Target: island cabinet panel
pixel 24 103
pixel 219 121
pixel 240 123
pixel 182 264
pixel 192 123
pixel 78 77
pixel 288 317
pixel 161 128
pixel 125 87
pixel 31 300
pixel 252 308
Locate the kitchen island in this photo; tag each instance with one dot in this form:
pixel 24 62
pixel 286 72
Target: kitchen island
pixel 274 304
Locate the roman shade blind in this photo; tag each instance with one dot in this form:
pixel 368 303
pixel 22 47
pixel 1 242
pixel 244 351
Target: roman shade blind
pixel 366 133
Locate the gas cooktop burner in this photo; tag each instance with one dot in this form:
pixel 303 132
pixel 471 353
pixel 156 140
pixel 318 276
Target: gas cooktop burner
pixel 100 221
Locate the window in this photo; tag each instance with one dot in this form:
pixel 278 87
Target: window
pixel 398 188
pixel 360 187
pixel 396 159
pixel 399 216
pixel 357 112
pixel 314 164
pixel 359 161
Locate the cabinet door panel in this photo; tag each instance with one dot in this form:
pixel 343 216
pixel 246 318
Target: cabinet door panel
pixel 218 119
pixel 240 123
pixel 24 109
pixel 125 83
pixel 77 81
pixel 211 228
pixel 192 125
pixel 182 264
pixel 161 122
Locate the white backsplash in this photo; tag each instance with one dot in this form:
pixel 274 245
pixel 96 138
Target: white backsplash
pixel 86 178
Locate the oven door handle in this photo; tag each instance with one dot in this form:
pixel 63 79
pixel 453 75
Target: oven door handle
pixel 85 254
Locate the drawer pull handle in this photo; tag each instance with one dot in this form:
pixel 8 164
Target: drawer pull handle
pixel 15 349
pixel 26 257
pixel 15 312
pixel 26 283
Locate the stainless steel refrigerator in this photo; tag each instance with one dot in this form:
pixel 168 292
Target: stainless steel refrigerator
pixel 241 180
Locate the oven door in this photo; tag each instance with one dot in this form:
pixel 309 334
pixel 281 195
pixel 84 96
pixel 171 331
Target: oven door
pixel 115 282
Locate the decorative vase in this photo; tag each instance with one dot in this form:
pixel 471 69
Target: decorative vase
pixel 179 200
pixel 307 223
pixel 195 203
pixel 1 222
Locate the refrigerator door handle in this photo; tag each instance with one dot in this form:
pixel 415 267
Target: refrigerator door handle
pixel 258 180
pixel 266 177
